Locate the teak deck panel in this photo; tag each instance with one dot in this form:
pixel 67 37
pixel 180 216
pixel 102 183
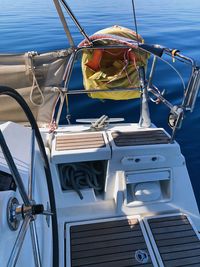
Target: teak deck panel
pixel 114 243
pixel 79 141
pixel 107 244
pixel 176 241
pixel 149 137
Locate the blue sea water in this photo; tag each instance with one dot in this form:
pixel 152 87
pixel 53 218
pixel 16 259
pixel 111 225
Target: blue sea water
pixel 28 25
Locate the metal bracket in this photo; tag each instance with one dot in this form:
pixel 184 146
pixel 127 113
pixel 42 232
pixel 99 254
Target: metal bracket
pixel 12 219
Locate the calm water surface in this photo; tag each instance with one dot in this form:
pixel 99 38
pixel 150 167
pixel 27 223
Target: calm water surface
pixel 28 25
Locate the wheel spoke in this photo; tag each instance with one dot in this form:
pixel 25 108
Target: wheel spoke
pixel 18 243
pixel 35 243
pixel 27 206
pixel 13 169
pixel 31 175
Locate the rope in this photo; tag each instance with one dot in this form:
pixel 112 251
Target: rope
pixel 127 60
pixel 79 176
pixel 35 84
pixel 100 123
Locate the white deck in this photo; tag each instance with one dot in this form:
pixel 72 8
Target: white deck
pixel 141 180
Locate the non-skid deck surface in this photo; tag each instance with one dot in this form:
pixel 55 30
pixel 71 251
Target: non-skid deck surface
pixel 79 141
pixel 176 241
pixel 107 244
pixel 149 137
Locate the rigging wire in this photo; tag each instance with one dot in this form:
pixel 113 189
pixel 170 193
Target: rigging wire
pixel 139 51
pixel 135 21
pixel 136 30
pixel 177 72
pixel 145 120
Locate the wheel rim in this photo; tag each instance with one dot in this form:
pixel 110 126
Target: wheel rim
pixel 28 210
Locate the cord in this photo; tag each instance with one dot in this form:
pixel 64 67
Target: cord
pixel 79 176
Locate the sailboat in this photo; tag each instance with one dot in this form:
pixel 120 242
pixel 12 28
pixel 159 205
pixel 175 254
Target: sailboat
pixel 100 191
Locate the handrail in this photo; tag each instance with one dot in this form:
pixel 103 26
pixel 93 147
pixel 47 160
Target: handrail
pixel 96 91
pixel 191 91
pixel 177 112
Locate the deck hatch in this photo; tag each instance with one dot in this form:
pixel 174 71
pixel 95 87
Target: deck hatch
pixel 138 138
pixel 108 243
pixel 79 141
pixel 176 241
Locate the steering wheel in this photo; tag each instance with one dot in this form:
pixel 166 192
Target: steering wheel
pixel 22 216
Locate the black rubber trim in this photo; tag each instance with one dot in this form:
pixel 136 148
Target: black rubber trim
pixel 4 90
pixel 153 49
